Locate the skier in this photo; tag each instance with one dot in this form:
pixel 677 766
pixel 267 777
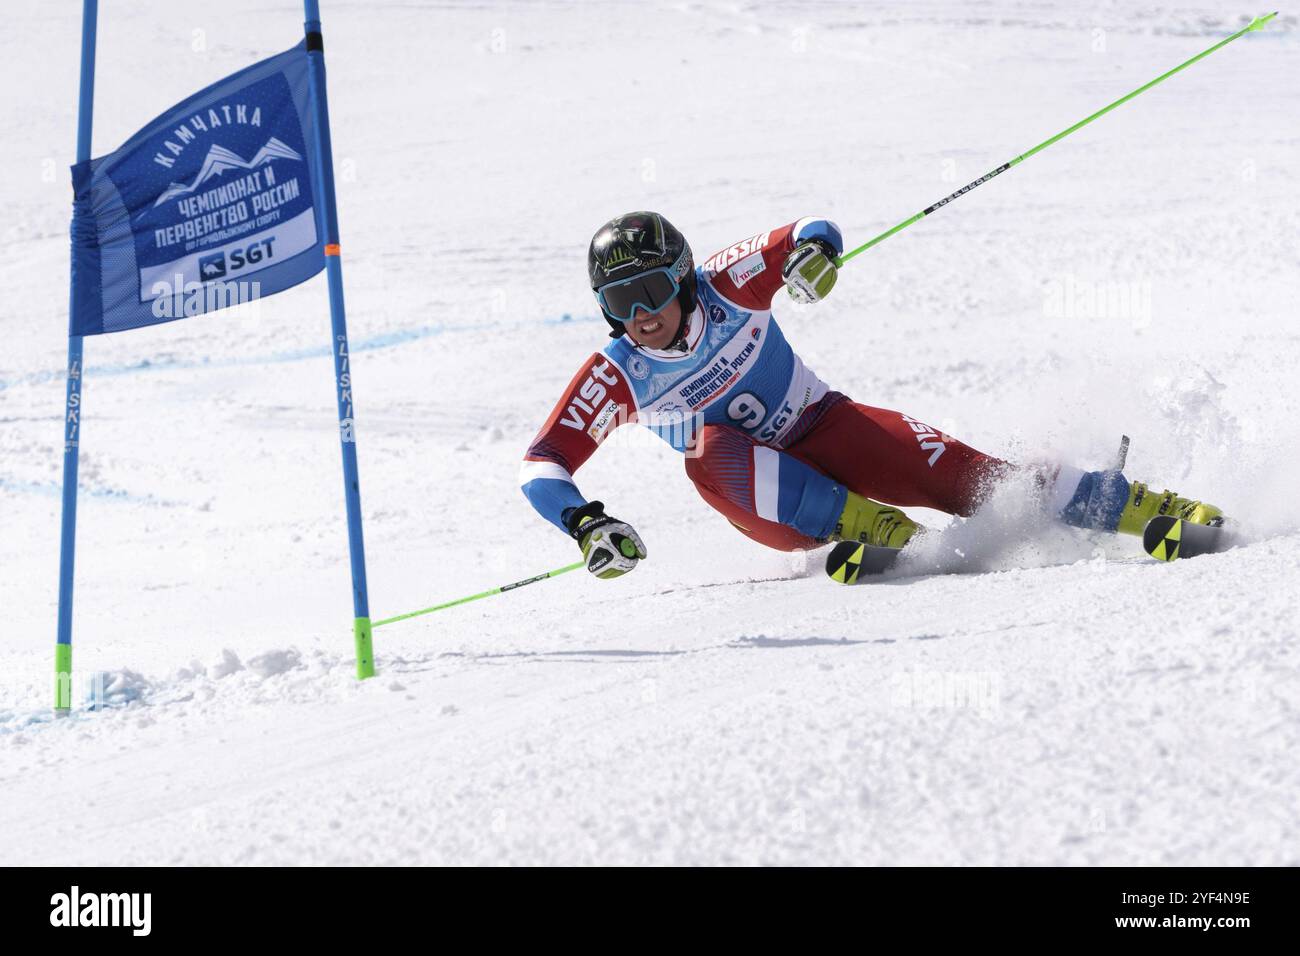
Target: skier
pixel 697 356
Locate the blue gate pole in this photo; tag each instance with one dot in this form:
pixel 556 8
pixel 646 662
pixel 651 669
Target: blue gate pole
pixel 328 218
pixel 72 408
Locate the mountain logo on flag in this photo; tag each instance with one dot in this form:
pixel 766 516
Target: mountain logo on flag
pixel 212 267
pixel 221 160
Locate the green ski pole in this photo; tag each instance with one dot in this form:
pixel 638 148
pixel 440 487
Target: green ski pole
pixel 1255 24
pixel 482 594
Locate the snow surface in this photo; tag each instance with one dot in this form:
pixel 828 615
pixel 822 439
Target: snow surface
pixel 1077 704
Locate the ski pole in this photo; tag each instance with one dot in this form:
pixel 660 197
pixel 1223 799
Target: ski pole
pixel 1255 24
pixel 482 594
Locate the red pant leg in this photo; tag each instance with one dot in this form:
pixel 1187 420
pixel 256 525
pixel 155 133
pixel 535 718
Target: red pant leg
pixel 896 459
pixel 722 472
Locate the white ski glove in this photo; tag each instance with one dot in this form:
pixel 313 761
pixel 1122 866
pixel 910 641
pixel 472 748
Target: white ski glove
pixel 610 546
pixel 810 271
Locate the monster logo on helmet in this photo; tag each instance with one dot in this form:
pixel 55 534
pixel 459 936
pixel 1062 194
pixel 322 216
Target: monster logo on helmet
pixel 639 262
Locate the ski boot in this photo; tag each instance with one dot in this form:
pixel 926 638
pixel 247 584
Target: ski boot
pixel 872 523
pixel 1144 504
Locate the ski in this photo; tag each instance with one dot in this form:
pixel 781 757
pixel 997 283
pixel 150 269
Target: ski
pixel 850 560
pixel 1168 538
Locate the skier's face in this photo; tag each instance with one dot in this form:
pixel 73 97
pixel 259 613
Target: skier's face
pixel 658 329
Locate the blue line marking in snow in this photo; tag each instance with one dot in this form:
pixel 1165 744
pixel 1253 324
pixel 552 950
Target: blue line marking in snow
pixel 54 489
pixel 383 340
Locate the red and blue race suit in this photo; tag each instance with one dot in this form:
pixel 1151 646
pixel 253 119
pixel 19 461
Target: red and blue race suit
pixel 766 442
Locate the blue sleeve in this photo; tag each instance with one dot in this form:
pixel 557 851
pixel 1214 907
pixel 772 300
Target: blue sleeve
pixel 551 497
pixel 823 229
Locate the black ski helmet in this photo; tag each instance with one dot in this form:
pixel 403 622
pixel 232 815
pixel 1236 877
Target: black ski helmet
pixel 638 242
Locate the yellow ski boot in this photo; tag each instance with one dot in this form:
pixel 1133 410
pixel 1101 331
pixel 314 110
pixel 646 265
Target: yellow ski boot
pixel 873 523
pixel 1144 504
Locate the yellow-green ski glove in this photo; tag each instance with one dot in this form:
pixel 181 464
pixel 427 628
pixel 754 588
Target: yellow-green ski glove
pixel 610 546
pixel 810 271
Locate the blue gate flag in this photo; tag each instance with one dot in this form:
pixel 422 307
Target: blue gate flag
pixel 210 205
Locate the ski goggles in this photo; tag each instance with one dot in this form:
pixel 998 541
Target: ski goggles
pixel 649 291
